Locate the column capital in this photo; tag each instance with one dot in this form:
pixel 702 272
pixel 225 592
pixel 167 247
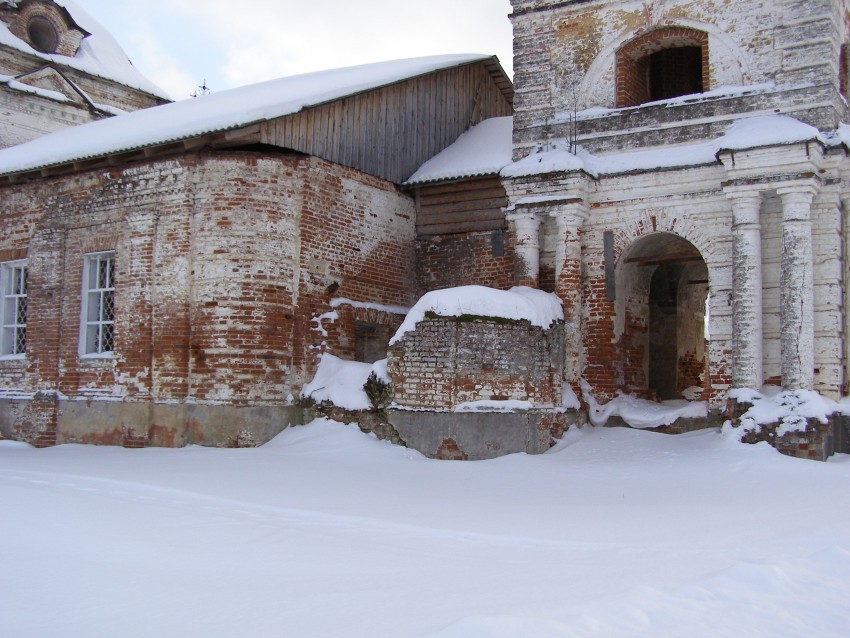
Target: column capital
pixel 524 218
pixel 571 213
pixel 743 192
pixel 746 207
pixel 793 195
pixel 799 188
pixel 796 204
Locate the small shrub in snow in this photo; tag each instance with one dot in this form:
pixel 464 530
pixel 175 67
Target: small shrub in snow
pixel 378 391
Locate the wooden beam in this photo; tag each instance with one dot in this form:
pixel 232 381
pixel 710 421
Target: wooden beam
pixel 452 229
pixel 458 207
pixel 464 195
pixel 469 183
pixel 460 217
pixel 655 260
pixel 250 133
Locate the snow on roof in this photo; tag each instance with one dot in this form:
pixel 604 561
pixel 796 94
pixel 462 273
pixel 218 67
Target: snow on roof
pixel 540 308
pixel 752 132
pixel 768 130
pixel 483 150
pixel 99 53
pixel 216 112
pixel 13 84
pixel 486 149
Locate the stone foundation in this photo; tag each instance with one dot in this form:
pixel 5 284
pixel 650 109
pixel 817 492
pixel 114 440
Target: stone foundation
pixel 815 443
pixel 136 424
pixel 480 435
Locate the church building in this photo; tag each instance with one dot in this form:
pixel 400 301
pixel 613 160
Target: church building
pixel 674 172
pixel 59 70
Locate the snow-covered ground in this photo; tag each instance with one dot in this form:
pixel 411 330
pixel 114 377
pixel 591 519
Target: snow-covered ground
pixel 326 531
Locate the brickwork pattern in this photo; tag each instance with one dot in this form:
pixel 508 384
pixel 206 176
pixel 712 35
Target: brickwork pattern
pixel 447 361
pixel 221 262
pixel 482 258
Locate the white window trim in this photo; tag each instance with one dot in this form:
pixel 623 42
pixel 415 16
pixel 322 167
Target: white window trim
pixel 88 260
pixel 6 268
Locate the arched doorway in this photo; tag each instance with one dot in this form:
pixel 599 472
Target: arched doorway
pixel 662 289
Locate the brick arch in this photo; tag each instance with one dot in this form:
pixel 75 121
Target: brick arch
pixel 651 221
pixel 633 62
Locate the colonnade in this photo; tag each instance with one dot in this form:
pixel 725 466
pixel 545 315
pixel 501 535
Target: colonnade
pixel 796 277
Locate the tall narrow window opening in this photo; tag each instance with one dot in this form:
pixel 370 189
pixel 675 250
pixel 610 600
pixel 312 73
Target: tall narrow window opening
pixel 98 325
pixel 13 280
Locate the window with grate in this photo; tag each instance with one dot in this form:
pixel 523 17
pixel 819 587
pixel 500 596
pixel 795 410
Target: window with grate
pixel 97 337
pixel 674 72
pixel 662 64
pixel 13 281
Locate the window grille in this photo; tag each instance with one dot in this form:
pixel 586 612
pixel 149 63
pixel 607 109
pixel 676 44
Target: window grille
pixel 13 280
pixel 98 333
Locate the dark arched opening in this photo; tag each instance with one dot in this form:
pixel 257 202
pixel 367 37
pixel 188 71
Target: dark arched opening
pixel 42 34
pixel 662 64
pixel 662 288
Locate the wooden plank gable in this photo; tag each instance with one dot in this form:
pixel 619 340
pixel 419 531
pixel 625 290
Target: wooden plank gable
pixel 391 131
pixel 467 205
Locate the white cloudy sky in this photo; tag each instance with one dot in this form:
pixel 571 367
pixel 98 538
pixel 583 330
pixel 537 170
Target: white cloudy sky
pixel 180 43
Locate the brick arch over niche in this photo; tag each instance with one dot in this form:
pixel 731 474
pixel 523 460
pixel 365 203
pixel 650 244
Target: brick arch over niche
pixel 661 64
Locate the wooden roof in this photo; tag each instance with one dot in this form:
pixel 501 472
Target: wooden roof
pixel 387 131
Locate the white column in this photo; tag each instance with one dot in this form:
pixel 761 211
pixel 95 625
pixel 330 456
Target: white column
pixel 527 247
pixel 570 218
pixel 845 277
pixel 747 330
pixel 797 304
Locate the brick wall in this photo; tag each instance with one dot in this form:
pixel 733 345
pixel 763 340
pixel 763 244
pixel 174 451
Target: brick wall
pixel 221 262
pixel 356 243
pixel 447 361
pixel 446 261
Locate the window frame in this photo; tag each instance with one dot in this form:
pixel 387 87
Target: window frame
pixel 9 317
pixel 91 289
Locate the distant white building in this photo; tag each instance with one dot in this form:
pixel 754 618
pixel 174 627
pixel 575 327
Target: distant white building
pixel 59 68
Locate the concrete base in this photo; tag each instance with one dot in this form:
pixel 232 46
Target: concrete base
pixel 480 435
pixel 141 424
